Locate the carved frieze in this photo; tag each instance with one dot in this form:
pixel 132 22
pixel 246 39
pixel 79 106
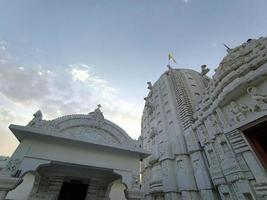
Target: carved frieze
pixel 87 133
pixel 238 112
pixel 258 97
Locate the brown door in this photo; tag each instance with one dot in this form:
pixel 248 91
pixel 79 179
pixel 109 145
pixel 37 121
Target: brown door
pixel 257 137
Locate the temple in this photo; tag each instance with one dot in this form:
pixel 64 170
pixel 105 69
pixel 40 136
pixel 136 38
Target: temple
pixel 74 157
pixel 208 135
pixel 202 138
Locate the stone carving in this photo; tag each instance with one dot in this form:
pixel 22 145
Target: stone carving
pixel 204 70
pixel 197 165
pixel 153 132
pixel 97 116
pixel 181 165
pixel 11 166
pixel 140 141
pixel 38 122
pixel 212 157
pixel 149 85
pixel 37 118
pixel 238 111
pixel 259 98
pixel 202 134
pixel 135 181
pixel 162 150
pixel 214 127
pixel 164 167
pixel 150 107
pixel 90 134
pixel 215 123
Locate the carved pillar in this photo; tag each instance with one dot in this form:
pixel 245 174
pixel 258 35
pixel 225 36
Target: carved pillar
pixel 131 180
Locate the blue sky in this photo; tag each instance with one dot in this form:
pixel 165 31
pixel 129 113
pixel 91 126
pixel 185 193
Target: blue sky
pixel 67 56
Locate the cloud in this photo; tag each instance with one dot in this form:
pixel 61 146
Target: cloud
pixel 80 74
pixel 186 1
pixel 3 46
pixel 60 91
pixel 6 115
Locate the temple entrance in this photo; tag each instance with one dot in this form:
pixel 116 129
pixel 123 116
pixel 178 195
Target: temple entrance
pixel 257 137
pixel 73 191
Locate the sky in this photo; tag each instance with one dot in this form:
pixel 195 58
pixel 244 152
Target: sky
pixel 65 56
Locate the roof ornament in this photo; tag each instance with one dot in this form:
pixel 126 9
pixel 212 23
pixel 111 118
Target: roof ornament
pixel 171 58
pixel 228 49
pixel 37 117
pixel 97 115
pixel 149 85
pixel 204 70
pixel 169 67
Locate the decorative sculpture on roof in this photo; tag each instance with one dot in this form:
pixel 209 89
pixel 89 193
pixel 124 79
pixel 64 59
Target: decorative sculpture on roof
pixel 97 115
pixel 149 104
pixel 37 117
pixel 259 98
pixel 204 70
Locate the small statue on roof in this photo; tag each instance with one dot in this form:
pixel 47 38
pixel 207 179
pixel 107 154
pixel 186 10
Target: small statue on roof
pixel 37 117
pixel 97 114
pixel 204 70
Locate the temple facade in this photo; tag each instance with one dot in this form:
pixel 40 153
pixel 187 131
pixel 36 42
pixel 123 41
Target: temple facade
pixel 74 157
pixel 208 136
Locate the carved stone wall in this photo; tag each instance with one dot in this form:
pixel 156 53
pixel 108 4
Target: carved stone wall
pixel 200 123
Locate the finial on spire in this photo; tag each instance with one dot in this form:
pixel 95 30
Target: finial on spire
pixel 169 67
pixel 99 106
pixel 228 49
pixel 170 57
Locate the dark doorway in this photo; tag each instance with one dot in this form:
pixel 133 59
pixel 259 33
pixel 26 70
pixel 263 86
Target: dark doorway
pixel 73 191
pixel 257 137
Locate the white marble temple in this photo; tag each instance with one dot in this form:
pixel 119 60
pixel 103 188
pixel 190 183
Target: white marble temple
pixel 208 135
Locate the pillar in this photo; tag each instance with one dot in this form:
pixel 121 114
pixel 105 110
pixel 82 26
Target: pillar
pixel 7 183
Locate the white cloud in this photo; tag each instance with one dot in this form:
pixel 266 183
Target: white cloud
pixel 80 74
pixel 3 61
pixel 3 46
pixel 60 91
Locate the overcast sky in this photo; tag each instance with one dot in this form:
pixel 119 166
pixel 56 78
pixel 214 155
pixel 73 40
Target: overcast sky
pixel 66 57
